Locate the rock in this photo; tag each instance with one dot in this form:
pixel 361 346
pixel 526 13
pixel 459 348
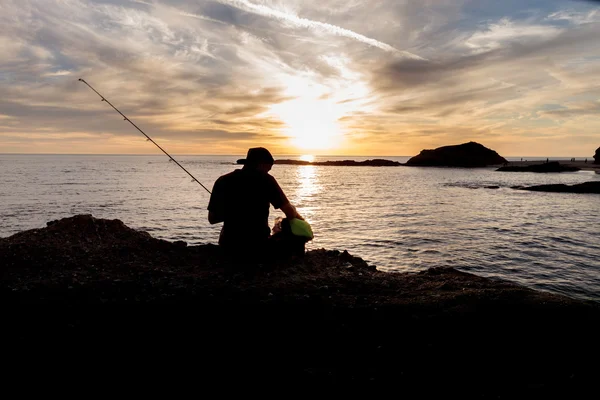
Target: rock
pixel 586 187
pixel 466 155
pixel 328 309
pixel 344 163
pixel 553 166
pixel 597 156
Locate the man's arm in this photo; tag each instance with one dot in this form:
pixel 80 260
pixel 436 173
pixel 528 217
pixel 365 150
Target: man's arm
pixel 290 211
pixel 216 203
pixel 280 201
pixel 214 218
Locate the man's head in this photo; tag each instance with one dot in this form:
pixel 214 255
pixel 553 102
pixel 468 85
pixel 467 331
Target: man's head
pixel 258 158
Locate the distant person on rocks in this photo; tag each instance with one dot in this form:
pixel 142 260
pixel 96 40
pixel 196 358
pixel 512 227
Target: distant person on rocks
pixel 241 200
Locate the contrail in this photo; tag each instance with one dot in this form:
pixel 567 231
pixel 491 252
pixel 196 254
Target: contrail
pixel 265 11
pixel 188 14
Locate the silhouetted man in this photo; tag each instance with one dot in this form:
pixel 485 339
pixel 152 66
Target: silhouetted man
pixel 241 199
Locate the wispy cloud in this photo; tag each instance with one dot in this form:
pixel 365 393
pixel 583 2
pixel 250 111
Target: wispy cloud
pixel 576 17
pixel 506 32
pixel 317 25
pixel 57 73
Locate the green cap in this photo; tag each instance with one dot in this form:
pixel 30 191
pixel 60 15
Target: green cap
pixel 301 228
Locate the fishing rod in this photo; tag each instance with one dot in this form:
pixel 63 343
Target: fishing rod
pixel 143 133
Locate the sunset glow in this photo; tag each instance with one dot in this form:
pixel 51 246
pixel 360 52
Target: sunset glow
pixel 311 124
pixel 307 158
pixel 325 77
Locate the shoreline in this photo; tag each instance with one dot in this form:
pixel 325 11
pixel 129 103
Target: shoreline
pixel 589 166
pixel 380 162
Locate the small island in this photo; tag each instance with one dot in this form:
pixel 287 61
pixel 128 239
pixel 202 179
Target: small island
pixel 328 318
pixel 466 155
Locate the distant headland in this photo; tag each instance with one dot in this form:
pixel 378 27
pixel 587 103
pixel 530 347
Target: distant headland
pixel 344 163
pixel 465 155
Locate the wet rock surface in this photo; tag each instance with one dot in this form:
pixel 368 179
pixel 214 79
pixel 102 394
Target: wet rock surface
pixel 585 187
pixel 466 155
pixel 103 291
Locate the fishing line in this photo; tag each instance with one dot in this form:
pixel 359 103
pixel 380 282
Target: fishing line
pixel 143 133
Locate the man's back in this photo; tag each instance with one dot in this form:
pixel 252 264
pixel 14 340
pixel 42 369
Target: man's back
pixel 241 199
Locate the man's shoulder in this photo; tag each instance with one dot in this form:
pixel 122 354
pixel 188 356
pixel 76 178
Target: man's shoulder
pixel 271 179
pixel 241 176
pixel 229 176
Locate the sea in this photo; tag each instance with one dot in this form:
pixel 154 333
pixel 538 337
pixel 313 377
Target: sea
pixel 400 219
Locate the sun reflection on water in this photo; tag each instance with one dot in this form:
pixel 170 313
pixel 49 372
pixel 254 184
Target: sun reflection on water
pixel 308 186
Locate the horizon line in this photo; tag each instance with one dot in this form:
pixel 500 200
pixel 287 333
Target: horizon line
pixel 241 154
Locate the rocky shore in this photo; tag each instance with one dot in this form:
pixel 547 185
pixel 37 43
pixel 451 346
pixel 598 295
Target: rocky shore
pixel 579 164
pixel 97 290
pixel 553 166
pixel 585 187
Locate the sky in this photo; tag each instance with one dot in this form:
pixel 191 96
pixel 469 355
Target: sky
pixel 337 77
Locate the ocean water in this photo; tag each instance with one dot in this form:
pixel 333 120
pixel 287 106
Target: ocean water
pixel 397 218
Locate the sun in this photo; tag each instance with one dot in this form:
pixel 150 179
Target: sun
pixel 311 117
pixel 311 124
pixel 307 157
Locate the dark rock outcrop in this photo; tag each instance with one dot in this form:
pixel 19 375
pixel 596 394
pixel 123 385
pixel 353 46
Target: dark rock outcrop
pixel 586 187
pixel 344 163
pixel 553 166
pixel 466 155
pixel 597 156
pixel 326 318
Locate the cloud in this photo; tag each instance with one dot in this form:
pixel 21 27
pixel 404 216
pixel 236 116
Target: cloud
pixel 581 109
pixel 506 32
pixel 391 77
pixel 576 17
pixel 317 25
pixel 506 80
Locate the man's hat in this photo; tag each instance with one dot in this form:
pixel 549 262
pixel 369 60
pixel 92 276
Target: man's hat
pixel 257 155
